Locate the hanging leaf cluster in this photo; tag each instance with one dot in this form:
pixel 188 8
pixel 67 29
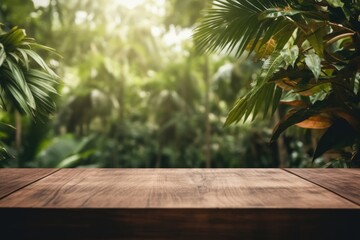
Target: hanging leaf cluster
pixel 26 81
pixel 310 51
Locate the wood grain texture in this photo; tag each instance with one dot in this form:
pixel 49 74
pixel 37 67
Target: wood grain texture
pixel 178 204
pixel 174 188
pixel 198 223
pixel 345 182
pixel 12 179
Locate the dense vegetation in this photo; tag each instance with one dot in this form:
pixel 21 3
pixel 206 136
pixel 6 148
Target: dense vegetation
pixel 136 93
pixel 311 58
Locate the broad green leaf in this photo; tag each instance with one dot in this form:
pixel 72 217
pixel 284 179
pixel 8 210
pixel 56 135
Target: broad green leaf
pixel 316 38
pixel 313 62
pixel 69 161
pixel 272 65
pixel 73 160
pixel 290 55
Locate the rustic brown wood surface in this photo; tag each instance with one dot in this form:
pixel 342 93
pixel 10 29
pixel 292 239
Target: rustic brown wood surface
pixel 182 204
pixel 174 188
pixel 345 182
pixel 13 179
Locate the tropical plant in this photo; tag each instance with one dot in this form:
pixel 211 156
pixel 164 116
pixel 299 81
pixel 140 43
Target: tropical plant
pixel 26 81
pixel 310 52
pixel 135 93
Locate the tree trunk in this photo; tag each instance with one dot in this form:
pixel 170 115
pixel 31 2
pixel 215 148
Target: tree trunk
pixel 18 131
pixel 18 134
pixel 282 153
pixel 207 112
pixel 159 156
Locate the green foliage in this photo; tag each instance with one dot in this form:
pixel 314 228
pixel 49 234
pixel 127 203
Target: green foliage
pixel 310 50
pixel 27 82
pixel 66 151
pixel 136 93
pixel 26 87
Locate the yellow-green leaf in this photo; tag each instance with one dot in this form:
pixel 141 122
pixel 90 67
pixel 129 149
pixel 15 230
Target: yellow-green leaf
pixel 313 62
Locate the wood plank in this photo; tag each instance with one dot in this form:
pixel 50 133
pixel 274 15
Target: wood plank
pixel 345 182
pixel 174 188
pixel 197 223
pixel 12 179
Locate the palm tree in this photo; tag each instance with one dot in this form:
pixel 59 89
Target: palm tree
pixel 311 54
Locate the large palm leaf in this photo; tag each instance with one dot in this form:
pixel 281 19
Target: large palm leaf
pixel 24 85
pixel 231 25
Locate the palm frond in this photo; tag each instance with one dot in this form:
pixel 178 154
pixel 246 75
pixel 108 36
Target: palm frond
pixel 262 96
pixel 20 81
pixel 29 89
pixel 231 25
pixel 43 91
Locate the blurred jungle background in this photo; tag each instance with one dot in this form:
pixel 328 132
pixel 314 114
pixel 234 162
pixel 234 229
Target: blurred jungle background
pixel 134 92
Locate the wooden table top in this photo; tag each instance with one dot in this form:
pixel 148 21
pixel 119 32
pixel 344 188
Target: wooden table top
pixel 180 188
pixel 144 196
